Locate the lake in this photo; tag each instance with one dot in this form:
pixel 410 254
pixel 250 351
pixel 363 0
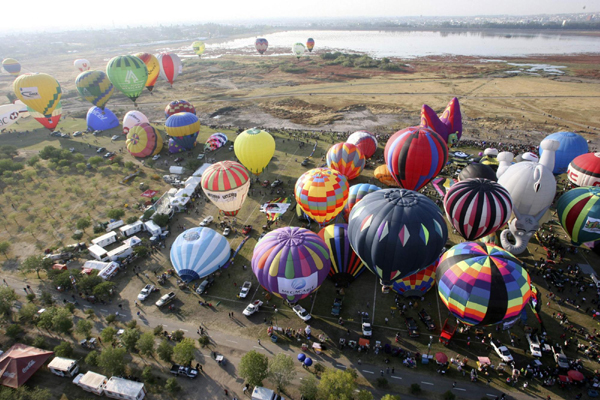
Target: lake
pixel 407 44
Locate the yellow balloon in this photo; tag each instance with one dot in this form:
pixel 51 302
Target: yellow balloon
pixel 153 68
pixel 254 148
pixel 198 47
pixel 40 92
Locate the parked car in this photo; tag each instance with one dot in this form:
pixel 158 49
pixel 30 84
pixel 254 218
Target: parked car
pixel 245 289
pixel 205 285
pixel 247 229
pixel 534 345
pixel 72 149
pixel 367 329
pixel 64 135
pixel 115 137
pixel 109 154
pixel 146 291
pixel 304 162
pixel 178 159
pixel 201 156
pixel 302 313
pixel 276 182
pixel 77 133
pixel 427 320
pixel 206 221
pixel 167 298
pixel 100 150
pixel 252 308
pixel 337 307
pixel 502 351
pixel 156 157
pixel 559 356
pixel 226 231
pixel 56 133
pixel 180 370
pixel 231 148
pixel 411 325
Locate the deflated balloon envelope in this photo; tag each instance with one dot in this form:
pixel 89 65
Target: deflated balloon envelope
pixel 101 120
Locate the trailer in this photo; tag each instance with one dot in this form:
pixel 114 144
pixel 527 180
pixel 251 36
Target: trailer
pixel 447 333
pixel 152 228
pixel 176 170
pixel 91 382
pixel 64 367
pixel 98 252
pixel 106 239
pixel 114 225
pixel 119 388
pixel 132 229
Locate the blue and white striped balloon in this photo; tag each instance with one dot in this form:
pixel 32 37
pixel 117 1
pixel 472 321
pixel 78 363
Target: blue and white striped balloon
pixel 199 252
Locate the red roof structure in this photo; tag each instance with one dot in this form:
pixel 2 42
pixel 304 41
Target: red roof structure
pixel 19 363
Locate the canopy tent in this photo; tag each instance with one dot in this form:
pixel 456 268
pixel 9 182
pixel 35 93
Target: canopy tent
pixel 441 358
pixel 19 363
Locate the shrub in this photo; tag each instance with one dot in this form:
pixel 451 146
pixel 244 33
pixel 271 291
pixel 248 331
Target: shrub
pixel 382 382
pixel 92 358
pixel 448 395
pixel 131 220
pixel 158 330
pixel 147 375
pixel 40 342
pixel 319 368
pixel 172 385
pixel 204 340
pixel 64 350
pixel 30 296
pixel 178 335
pixel 415 388
pixel 77 236
pixel 111 318
pixel 46 298
pixel 13 331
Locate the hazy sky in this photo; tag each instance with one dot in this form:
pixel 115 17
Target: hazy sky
pixel 71 13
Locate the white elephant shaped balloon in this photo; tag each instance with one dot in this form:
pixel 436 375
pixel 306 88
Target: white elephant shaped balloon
pixel 532 188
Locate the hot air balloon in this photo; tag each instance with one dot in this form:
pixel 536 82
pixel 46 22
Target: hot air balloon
pixel 448 126
pixel 477 207
pixel 95 87
pixel 143 141
pixel 414 156
pixel 347 159
pixel 182 143
pixel 396 232
pixel 182 124
pixel 482 284
pixel 442 185
pixel 291 262
pixel 571 146
pixel 174 147
pixel 199 252
pixel 198 47
pixel 382 174
pixel 23 110
pixel 101 120
pixel 477 171
pixel 9 114
pixel 215 141
pixel 298 50
pixel 529 156
pixel 226 184
pixel 579 214
pixel 262 45
pixel 151 63
pixel 417 284
pixel 41 93
pixel 132 118
pixel 177 106
pixel 345 264
pixel 49 122
pixel 310 44
pixel 355 194
pixel 322 193
pixel 128 74
pixel 11 66
pixel 254 148
pixel 82 64
pixel 584 170
pixel 170 66
pixel 365 141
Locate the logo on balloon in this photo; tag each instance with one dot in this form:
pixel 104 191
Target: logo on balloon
pixel 298 284
pixel 130 77
pixel 191 236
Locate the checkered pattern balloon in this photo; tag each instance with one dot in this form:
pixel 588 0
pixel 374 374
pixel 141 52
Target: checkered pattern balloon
pixel 418 283
pixel 347 159
pixel 322 193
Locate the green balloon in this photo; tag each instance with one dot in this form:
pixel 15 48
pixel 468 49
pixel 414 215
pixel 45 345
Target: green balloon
pixel 128 74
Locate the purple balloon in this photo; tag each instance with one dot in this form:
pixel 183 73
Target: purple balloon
pixel 291 262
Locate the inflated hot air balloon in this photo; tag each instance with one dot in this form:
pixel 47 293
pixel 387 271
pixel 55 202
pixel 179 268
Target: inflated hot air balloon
pixel 226 184
pixel 41 93
pixel 182 124
pixel 490 161
pixel 291 262
pixel 182 143
pixel 310 44
pixel 579 214
pixel 442 185
pixel 174 147
pixel 82 64
pixel 477 207
pixel 215 141
pixel 48 122
pixel 345 264
pixel 417 284
pixel 396 232
pixel 254 148
pixel 477 171
pixel 198 47
pixel 95 87
pixel 584 170
pixel 414 156
pixel 177 106
pixel 9 114
pixel 365 141
pixel 128 74
pixel 482 284
pixel 382 174
pixel 262 45
pixel 101 120
pixel 298 50
pixel 322 193
pixel 571 146
pixel 347 159
pixel 355 194
pixel 170 66
pixel 23 110
pixel 132 118
pixel 448 126
pixel 143 141
pixel 151 63
pixel 199 252
pixel 11 66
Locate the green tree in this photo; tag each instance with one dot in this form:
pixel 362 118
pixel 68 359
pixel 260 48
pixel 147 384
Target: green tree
pixel 24 393
pixel 62 279
pixel 4 246
pixel 64 350
pixel 95 161
pixel 37 264
pixel 92 358
pixel 115 213
pixel 7 300
pixel 165 351
pixel 281 370
pixel 62 321
pixel 45 318
pixel 145 344
pixel 309 387
pixel 14 330
pixel 158 330
pixel 108 334
pixel 336 385
pixel 112 360
pixel 183 353
pixel 254 367
pixel 129 338
pixel 83 223
pixel 132 219
pixel 141 251
pixel 172 385
pixel 84 327
pixel 390 397
pixel 161 220
pixel 147 375
pixel 87 283
pixel 40 342
pixel 104 289
pixel 364 395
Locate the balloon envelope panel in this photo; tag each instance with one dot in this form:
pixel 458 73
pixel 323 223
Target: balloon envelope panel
pixel 143 141
pixel 418 283
pixel 101 120
pixel 182 124
pixel 347 159
pixel 579 214
pixel 345 264
pixel 571 146
pixel 356 194
pixel 365 141
pixel 322 193
pixel 177 106
pixel 584 170
pixel 199 252
pixel 128 74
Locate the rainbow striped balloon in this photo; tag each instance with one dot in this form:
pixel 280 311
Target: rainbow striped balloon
pixel 414 156
pixel 356 193
pixel 345 264
pixel 482 284
pixel 418 283
pixel 347 159
pixel 579 214
pixel 322 193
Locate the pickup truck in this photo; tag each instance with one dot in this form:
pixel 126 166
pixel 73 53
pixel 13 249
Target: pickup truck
pixel 180 370
pixel 427 320
pixel 534 345
pixel 559 356
pixel 205 285
pixel 165 299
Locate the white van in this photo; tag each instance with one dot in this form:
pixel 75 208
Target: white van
pixel 596 280
pixel 262 393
